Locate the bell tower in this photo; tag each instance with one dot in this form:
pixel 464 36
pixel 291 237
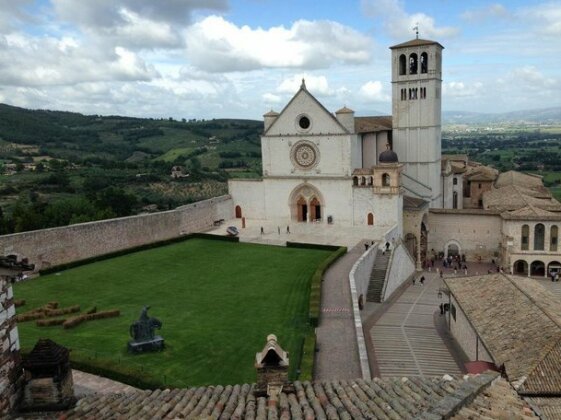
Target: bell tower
pixel 416 110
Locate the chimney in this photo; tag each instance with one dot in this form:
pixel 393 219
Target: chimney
pixel 48 378
pixel 346 118
pixel 272 368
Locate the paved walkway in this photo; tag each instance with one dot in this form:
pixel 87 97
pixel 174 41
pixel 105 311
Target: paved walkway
pixel 409 337
pixel 85 384
pixel 336 339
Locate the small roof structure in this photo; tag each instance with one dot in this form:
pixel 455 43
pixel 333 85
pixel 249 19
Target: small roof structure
pixel 520 179
pixel 272 354
pixel 345 110
pixel 373 124
pixel 417 42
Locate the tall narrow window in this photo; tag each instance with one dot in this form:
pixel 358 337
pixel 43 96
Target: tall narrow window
pixel 455 200
pixel 385 180
pixel 402 64
pixel 413 64
pixel 424 62
pixel 539 234
pixel 553 240
pixel 525 237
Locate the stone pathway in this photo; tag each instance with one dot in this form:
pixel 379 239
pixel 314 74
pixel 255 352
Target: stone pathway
pixel 409 337
pixel 86 384
pixel 336 339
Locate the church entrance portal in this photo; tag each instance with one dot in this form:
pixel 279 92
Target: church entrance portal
pixel 306 204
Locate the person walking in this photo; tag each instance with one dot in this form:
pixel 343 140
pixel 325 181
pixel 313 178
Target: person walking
pixel 288 229
pixel 262 230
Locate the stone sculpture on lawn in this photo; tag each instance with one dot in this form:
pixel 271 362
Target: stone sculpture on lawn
pixel 142 333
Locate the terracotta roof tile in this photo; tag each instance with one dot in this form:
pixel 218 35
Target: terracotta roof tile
pixel 373 124
pixel 415 43
pixel 391 398
pixel 519 323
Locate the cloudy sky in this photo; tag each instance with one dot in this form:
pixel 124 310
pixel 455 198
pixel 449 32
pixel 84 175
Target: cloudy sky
pixel 241 58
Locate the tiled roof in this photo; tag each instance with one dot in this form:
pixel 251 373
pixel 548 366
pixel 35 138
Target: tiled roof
pixel 519 323
pixel 399 398
pixel 373 124
pixel 547 408
pixel 344 110
pixel 413 203
pixel 531 212
pixel 514 197
pixel 518 178
pixel 498 401
pixel 415 43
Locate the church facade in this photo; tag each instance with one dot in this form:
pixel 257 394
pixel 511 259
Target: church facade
pixel 336 168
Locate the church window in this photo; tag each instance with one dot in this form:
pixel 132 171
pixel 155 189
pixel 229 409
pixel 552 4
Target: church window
pixel 413 64
pixel 362 181
pixel 370 219
pixel 355 180
pixel 370 181
pixel 455 181
pixel 455 200
pixel 304 122
pixel 402 64
pixel 403 94
pixel 385 180
pixel 539 234
pixel 525 235
pixel 553 235
pixel 424 62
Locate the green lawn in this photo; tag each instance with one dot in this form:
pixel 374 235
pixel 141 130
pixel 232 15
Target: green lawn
pixel 217 302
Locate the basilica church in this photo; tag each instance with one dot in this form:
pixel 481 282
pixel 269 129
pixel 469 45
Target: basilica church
pixel 387 174
pixel 337 168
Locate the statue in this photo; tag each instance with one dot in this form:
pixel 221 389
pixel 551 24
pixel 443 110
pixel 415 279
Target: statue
pixel 142 333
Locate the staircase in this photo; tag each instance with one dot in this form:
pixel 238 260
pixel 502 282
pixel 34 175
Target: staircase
pixel 377 277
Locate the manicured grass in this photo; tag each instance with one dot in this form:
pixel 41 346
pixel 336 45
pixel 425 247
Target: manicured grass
pixel 217 301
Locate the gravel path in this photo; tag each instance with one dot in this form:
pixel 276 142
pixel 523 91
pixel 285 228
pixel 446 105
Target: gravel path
pixel 337 357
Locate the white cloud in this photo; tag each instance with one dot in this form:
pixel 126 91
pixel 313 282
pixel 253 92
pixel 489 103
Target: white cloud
pixel 530 78
pixel 271 98
pixel 399 24
pixel 453 90
pixel 546 18
pixel 490 12
pixel 374 91
pixel 317 85
pixel 217 45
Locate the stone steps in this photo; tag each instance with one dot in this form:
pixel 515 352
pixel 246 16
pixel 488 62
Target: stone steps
pixel 377 277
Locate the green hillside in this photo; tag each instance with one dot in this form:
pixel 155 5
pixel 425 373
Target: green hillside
pixel 62 167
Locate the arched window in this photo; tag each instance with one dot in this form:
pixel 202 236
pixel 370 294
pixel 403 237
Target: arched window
pixel 385 180
pixel 238 212
pixel 413 64
pixel 402 64
pixel 362 181
pixel 525 238
pixel 370 180
pixel 424 62
pixel 539 234
pixel 553 240
pixel 370 219
pixel 355 180
pixel 455 200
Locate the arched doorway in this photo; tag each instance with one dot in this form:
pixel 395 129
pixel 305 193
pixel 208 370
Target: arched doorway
pixel 238 212
pixel 424 242
pixel 452 248
pixel 302 206
pixel 315 210
pixel 537 268
pixel 370 219
pixel 554 267
pixel 521 267
pixel 306 204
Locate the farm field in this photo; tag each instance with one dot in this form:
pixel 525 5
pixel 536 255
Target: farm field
pixel 217 301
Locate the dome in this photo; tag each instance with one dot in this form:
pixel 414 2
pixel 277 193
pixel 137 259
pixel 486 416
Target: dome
pixel 388 156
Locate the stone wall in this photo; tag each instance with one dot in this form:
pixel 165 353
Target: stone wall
pixel 477 233
pixel 10 371
pixel 465 335
pixel 51 247
pixel 400 268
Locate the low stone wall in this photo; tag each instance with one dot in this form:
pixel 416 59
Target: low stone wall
pixel 61 245
pixel 358 284
pixel 401 266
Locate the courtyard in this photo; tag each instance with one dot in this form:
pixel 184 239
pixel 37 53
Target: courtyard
pixel 217 302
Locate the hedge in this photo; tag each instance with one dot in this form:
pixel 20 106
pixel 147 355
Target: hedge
pixel 308 357
pixel 131 250
pixel 315 287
